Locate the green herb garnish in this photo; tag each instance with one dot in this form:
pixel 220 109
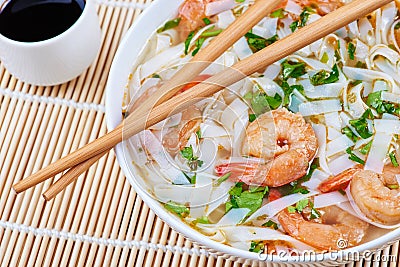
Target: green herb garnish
pixel 257 246
pixel 279 13
pixel 351 49
pixel 223 178
pixel 244 199
pixel 199 42
pixel 211 33
pixel 256 42
pixel 181 210
pixel 325 77
pixel 361 125
pixel 393 159
pixel 292 69
pixel 192 160
pixel 206 21
pixel 252 117
pixel 365 149
pixel 349 133
pixel 261 102
pixel 187 42
pixel 271 224
pixel 354 157
pixel 169 25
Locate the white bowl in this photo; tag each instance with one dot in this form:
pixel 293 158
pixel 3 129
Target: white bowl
pixel 125 58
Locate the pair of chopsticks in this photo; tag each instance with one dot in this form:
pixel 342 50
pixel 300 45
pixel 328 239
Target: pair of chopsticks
pixel 166 103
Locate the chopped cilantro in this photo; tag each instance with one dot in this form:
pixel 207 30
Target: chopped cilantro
pixel 155 75
pixel 393 159
pixel 292 69
pixel 181 210
pixel 271 224
pixel 169 25
pixel 325 58
pixel 239 1
pixel 351 49
pixel 187 42
pixel 257 246
pixel 397 26
pixel 375 101
pixel 324 77
pixel 361 125
pixel 365 149
pixel 301 204
pixel 192 160
pixel 244 199
pixel 206 21
pixel 302 20
pixel 256 42
pixel 349 133
pixel 293 26
pixel 288 91
pixel 354 157
pixel 361 65
pixel 393 186
pixel 198 133
pixel 261 102
pixel 252 117
pixel 279 13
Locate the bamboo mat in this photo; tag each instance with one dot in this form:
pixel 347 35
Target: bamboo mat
pixel 99 220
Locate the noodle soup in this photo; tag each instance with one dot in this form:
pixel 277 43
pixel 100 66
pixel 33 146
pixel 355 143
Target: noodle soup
pixel 300 156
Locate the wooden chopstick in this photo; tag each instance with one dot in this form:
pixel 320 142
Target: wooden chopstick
pixel 197 64
pixel 274 52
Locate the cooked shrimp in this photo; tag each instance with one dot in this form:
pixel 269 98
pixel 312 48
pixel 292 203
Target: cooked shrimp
pixel 275 133
pixel 176 138
pixel 338 182
pixel 282 138
pixel 323 6
pixel 376 195
pixel 191 13
pixel 338 230
pixel 277 172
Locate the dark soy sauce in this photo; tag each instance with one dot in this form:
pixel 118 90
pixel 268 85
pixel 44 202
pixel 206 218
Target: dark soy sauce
pixel 38 20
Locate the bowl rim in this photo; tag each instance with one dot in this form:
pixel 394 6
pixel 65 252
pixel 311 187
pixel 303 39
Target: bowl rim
pixel 122 66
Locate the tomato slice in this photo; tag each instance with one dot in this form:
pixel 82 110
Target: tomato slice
pixel 196 81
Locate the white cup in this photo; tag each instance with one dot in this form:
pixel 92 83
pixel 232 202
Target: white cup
pixel 58 59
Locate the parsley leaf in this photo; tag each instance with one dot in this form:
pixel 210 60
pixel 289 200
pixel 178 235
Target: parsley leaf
pixel 261 102
pixel 257 42
pixel 279 13
pixel 302 20
pixel 181 210
pixel 257 247
pixel 192 160
pixel 169 25
pixel 292 69
pixel 365 149
pixel 349 133
pixel 375 101
pixel 252 117
pixel 351 49
pixel 361 125
pixel 271 224
pixel 324 77
pixel 245 199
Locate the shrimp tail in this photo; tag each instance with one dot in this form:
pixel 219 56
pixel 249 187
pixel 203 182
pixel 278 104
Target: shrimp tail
pixel 338 182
